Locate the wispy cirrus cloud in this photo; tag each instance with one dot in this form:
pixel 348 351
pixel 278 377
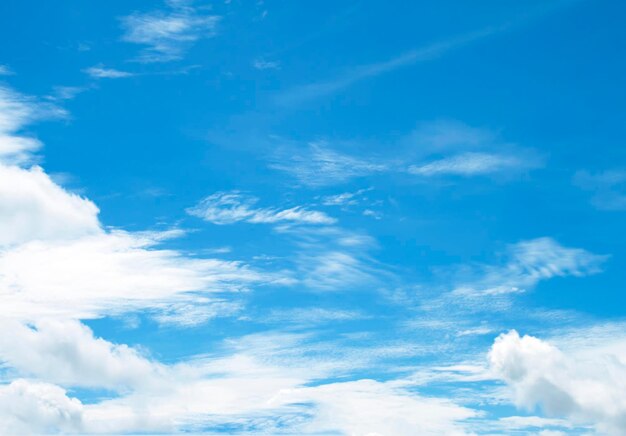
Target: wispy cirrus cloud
pixel 262 64
pixel 468 164
pixel 16 112
pixel 304 93
pixel 5 70
pixel 100 72
pixel 168 33
pixel 320 165
pixel 231 207
pixel 435 149
pixel 608 188
pixel 530 262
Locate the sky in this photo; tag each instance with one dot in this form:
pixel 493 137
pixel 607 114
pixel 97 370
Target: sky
pixel 348 217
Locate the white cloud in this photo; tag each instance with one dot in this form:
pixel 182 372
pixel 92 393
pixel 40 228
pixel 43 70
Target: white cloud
pixel 232 207
pixel 100 72
pixel 67 353
pixel 168 34
pixel 321 166
pixel 468 164
pixel 110 273
pixel 586 389
pixel 16 112
pixel 33 207
pixel 36 408
pixel 368 407
pixel 530 262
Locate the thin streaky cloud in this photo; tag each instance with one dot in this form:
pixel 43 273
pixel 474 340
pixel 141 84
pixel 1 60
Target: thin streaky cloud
pixel 5 71
pixel 100 72
pixel 469 164
pixel 304 93
pixel 232 207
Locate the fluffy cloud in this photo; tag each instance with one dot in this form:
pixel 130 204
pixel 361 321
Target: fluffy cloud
pixel 67 353
pixel 232 207
pixel 585 389
pixel 33 207
pixel 37 408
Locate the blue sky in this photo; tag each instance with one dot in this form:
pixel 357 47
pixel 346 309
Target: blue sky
pixel 359 217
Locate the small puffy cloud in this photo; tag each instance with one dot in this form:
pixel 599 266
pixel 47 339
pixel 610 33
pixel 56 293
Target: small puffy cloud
pixel 99 72
pixel 167 34
pixel 583 389
pixel 231 207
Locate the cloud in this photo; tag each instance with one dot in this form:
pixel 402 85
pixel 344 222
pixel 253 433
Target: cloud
pixel 111 273
pixel 99 72
pixel 36 408
pixel 319 165
pixel 66 353
pixel 16 112
pixel 452 148
pixel 261 64
pixel 168 33
pixel 368 407
pixel 468 164
pixel 608 187
pixel 312 91
pixel 529 263
pixel 231 207
pixel 5 71
pixel 585 391
pixel 33 207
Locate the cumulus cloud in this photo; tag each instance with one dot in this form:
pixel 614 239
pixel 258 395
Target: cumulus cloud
pixel 168 33
pixel 583 389
pixel 33 207
pixel 232 207
pixel 66 353
pixel 37 408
